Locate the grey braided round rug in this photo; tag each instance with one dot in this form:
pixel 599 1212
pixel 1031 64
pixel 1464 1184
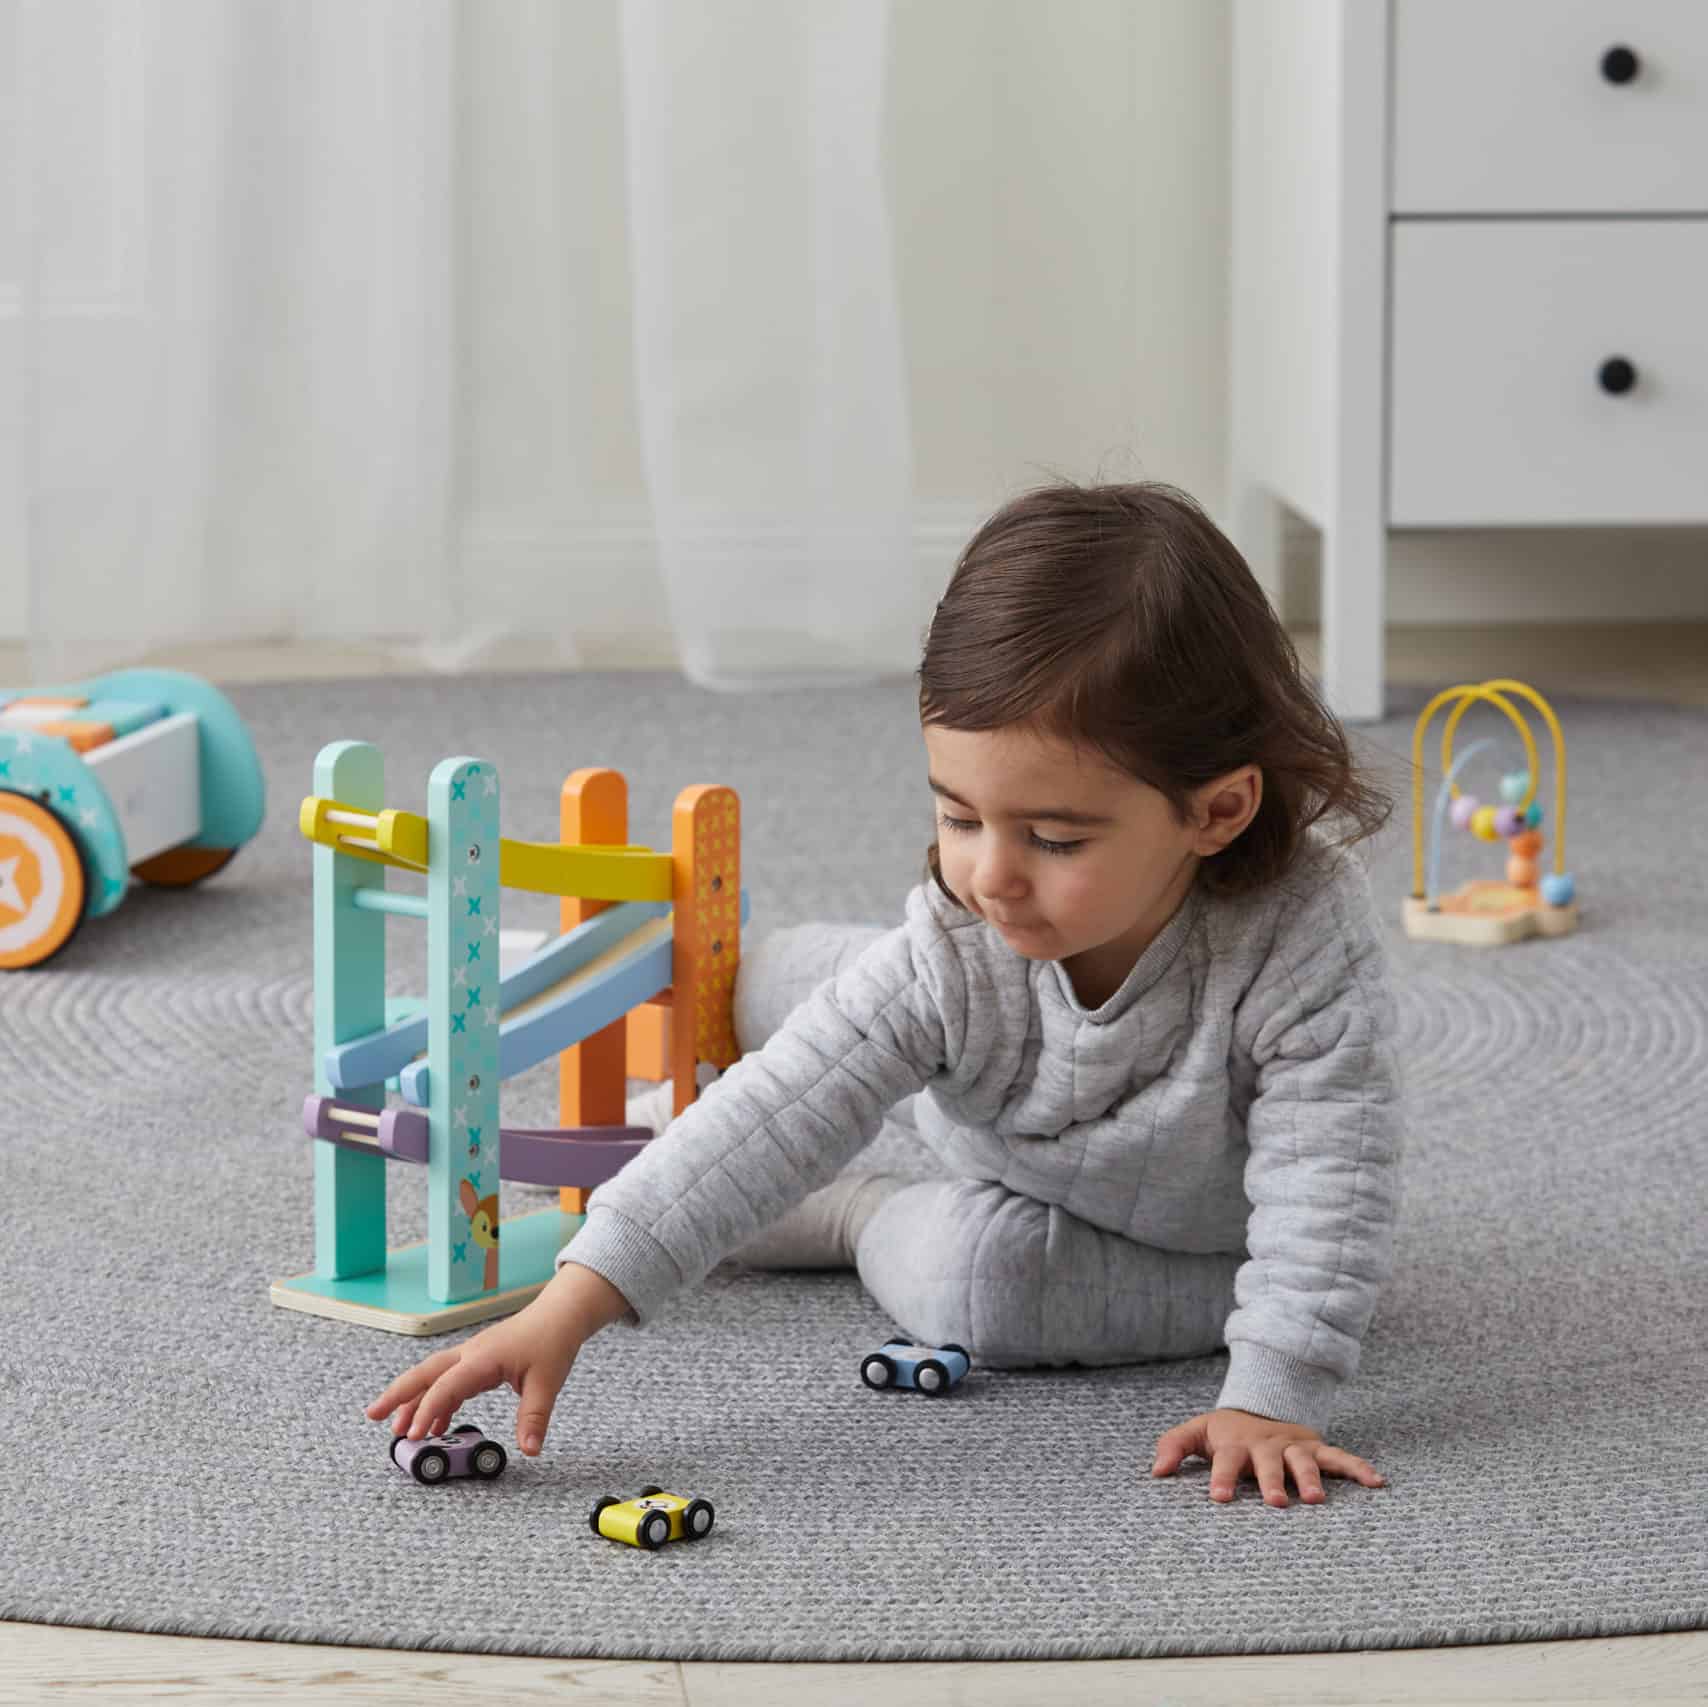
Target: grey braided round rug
pixel 187 1458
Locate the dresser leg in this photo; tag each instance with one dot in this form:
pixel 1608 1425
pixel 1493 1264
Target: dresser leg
pixel 1257 525
pixel 1354 610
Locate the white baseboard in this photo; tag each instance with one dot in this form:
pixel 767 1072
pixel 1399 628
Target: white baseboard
pixel 601 576
pixel 1455 578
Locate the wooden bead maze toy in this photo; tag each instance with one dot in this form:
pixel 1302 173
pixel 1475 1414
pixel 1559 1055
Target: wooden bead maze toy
pixel 639 927
pixel 1487 912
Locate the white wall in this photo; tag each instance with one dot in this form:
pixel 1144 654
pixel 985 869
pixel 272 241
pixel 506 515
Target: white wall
pixel 1059 179
pixel 1059 195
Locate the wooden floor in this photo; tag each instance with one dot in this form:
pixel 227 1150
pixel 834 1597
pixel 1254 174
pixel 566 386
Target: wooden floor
pixel 47 1663
pixel 40 1664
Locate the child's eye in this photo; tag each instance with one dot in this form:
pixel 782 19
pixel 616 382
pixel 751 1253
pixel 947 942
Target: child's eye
pixel 1039 842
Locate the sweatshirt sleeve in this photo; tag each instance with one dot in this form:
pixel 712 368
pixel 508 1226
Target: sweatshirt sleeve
pixel 1324 1129
pixel 780 1122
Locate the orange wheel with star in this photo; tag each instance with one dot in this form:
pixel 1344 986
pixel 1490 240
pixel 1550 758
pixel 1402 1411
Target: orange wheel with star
pixel 178 868
pixel 43 883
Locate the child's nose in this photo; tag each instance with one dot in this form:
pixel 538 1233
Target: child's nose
pixel 999 872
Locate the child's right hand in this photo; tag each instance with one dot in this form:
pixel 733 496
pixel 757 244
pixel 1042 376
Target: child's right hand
pixel 531 1352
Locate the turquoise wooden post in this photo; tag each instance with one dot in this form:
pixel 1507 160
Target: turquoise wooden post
pixel 462 1029
pixel 349 1002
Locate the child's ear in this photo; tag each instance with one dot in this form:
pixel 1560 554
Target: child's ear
pixel 1226 806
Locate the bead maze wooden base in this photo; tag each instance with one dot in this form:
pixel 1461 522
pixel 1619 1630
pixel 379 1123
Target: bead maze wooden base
pixel 1487 913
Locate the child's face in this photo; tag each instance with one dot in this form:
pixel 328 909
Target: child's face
pixel 1012 851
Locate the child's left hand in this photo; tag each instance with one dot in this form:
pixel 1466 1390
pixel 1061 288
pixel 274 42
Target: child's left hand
pixel 1232 1439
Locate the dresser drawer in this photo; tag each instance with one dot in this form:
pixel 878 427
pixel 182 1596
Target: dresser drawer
pixel 1504 107
pixel 1499 406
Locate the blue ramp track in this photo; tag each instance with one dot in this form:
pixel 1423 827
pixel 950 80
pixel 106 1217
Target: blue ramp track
pixel 382 1055
pixel 635 970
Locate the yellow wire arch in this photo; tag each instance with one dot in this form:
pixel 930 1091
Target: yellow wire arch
pixel 1547 711
pixel 1467 694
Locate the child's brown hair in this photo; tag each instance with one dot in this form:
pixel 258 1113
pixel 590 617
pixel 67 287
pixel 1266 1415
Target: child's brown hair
pixel 1121 618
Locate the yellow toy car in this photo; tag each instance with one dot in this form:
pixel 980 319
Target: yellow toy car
pixel 651 1518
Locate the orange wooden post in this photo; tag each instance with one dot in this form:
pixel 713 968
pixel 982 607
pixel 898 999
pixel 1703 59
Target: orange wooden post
pixel 649 1038
pixel 592 1086
pixel 705 843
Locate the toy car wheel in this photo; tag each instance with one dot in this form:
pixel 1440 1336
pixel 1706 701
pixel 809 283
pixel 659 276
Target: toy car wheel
pixel 931 1377
pixel 396 1441
pixel 465 1428
pixel 432 1464
pixel 951 1346
pixel 489 1460
pixel 178 868
pixel 653 1531
pixel 598 1506
pixel 45 885
pixel 648 1491
pixel 878 1371
pixel 697 1519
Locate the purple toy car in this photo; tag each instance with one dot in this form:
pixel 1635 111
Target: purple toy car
pixel 465 1451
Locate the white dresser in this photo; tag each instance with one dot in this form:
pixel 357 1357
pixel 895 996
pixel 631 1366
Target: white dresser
pixel 1469 281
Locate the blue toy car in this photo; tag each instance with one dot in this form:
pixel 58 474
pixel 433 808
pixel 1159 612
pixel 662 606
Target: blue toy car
pixel 465 1451
pixel 146 774
pixel 928 1369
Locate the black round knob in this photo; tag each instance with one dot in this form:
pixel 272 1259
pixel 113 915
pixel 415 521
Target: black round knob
pixel 1620 65
pixel 1616 375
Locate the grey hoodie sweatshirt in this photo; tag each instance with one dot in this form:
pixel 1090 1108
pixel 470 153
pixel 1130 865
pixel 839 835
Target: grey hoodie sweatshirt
pixel 1239 1093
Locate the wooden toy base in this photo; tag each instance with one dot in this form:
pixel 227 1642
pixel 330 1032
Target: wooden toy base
pixel 395 1298
pixel 1487 913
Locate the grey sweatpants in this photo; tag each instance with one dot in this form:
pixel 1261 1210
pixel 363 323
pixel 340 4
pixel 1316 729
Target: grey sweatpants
pixel 1016 1281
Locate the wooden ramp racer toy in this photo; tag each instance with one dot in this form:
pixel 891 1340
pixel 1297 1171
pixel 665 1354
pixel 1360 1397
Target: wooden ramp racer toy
pixel 138 773
pixel 637 924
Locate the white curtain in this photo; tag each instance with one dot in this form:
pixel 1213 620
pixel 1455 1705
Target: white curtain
pixel 238 291
pixel 767 339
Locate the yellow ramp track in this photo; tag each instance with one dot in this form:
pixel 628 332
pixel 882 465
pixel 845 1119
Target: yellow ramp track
pixel 399 839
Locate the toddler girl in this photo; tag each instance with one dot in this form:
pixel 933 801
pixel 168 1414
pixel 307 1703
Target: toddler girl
pixel 1130 1053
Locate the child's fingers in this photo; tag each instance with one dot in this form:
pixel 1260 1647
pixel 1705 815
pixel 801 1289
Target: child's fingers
pixel 462 1380
pixel 1349 1464
pixel 1306 1473
pixel 410 1383
pixel 534 1412
pixel 1185 1440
